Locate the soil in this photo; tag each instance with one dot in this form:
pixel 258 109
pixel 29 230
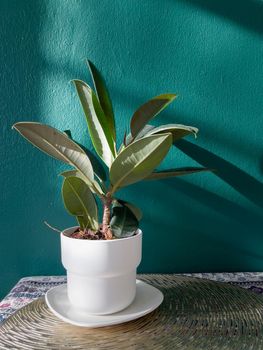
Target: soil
pixel 88 234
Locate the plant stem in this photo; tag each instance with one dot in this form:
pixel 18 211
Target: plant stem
pixel 106 216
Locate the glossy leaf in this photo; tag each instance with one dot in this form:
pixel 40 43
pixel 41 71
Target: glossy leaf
pixel 79 201
pixel 98 126
pixel 95 162
pixel 57 145
pixel 177 130
pixel 103 97
pixel 147 128
pixel 74 172
pixel 157 175
pixel 135 210
pixel 148 111
pixel 83 221
pixel 98 167
pixel 138 160
pixel 123 222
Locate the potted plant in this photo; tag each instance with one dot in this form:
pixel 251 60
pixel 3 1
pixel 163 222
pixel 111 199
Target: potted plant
pixel 101 256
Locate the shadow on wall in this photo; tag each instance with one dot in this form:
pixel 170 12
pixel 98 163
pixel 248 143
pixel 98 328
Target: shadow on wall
pixel 261 165
pixel 246 13
pixel 201 226
pixel 227 208
pixel 242 182
pixel 208 224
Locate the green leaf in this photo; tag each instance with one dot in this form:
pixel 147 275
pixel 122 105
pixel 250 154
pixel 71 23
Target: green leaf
pixel 57 145
pixel 98 167
pixel 138 160
pixel 82 221
pixel 157 175
pixel 177 130
pixel 69 173
pixel 135 210
pixel 147 128
pixel 95 162
pixel 80 202
pixel 103 97
pixel 74 172
pixel 98 126
pixel 148 111
pixel 123 222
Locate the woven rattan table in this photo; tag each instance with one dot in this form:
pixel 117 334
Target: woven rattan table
pixel 196 314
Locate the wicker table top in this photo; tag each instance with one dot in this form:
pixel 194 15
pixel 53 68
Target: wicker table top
pixel 196 314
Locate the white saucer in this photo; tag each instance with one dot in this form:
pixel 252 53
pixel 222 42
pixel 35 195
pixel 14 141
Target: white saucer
pixel 147 299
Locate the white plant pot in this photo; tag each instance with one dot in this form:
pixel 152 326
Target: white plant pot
pixel 101 274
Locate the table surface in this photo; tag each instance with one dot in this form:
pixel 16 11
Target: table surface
pixel 32 288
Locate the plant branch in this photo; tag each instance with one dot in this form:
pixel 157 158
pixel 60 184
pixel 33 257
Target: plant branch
pixel 107 200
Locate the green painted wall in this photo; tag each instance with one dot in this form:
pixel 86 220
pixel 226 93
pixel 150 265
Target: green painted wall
pixel 209 52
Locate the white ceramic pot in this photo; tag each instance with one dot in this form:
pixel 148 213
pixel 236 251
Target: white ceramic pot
pixel 101 274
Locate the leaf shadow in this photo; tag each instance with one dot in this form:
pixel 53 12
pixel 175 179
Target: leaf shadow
pixel 241 181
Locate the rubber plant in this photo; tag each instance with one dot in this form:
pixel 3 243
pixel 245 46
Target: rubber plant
pixel 137 158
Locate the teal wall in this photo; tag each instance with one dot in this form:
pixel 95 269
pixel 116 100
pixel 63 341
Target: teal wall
pixel 209 52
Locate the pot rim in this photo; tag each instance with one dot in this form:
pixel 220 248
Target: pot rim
pixel 109 241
